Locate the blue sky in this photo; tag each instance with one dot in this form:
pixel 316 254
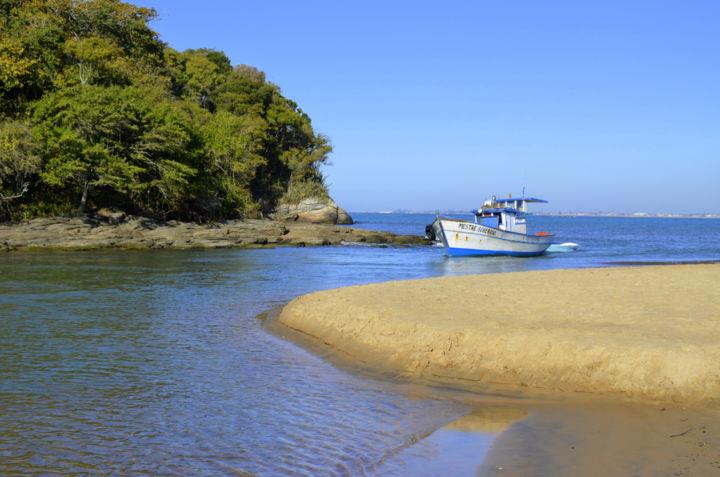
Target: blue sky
pixel 592 105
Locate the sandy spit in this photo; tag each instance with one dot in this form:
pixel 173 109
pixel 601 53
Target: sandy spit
pixel 644 333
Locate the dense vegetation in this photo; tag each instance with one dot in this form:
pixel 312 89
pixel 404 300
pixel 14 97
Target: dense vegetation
pixel 96 111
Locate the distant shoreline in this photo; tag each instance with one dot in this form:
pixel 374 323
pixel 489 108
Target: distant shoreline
pixel 554 214
pixel 633 216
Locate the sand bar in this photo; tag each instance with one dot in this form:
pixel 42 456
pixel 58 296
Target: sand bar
pixel 644 333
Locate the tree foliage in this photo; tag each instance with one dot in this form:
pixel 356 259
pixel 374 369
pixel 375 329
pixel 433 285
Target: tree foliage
pixel 95 111
pixel 19 162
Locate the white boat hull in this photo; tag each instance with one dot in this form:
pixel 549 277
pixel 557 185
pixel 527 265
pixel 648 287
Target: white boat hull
pixel 467 238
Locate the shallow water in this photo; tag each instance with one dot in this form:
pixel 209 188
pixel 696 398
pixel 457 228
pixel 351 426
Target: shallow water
pixel 155 362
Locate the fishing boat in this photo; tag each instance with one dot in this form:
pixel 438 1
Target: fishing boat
pixel 499 228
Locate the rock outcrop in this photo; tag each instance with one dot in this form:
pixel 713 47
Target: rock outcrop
pixel 315 210
pixel 113 230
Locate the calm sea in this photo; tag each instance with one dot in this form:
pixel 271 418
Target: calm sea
pixel 156 363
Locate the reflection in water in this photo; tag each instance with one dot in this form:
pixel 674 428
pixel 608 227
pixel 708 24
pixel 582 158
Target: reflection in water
pixel 472 265
pixel 488 419
pixel 456 449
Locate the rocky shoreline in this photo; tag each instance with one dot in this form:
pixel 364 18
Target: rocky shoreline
pixel 95 232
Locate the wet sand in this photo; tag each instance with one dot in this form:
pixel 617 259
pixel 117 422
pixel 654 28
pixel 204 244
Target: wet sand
pixel 569 440
pixel 617 368
pixel 608 440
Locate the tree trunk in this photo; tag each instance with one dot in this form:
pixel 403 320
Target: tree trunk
pixel 83 200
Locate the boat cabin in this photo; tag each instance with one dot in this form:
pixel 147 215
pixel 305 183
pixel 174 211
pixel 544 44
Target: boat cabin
pixel 505 214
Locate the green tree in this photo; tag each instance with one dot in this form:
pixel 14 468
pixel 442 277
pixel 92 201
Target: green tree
pixel 53 44
pixel 121 120
pixel 15 66
pixel 19 163
pixel 169 147
pixel 198 74
pixel 295 154
pixel 112 139
pixel 83 129
pixel 233 146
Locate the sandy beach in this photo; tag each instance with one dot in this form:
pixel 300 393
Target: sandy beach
pixel 616 368
pixel 642 333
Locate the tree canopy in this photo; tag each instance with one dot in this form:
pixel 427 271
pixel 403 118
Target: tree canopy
pixel 96 111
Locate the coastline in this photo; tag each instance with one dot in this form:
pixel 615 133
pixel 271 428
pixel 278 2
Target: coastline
pixel 645 334
pixel 634 215
pixel 137 233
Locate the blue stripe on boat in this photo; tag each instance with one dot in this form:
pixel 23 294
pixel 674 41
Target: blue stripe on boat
pixel 469 251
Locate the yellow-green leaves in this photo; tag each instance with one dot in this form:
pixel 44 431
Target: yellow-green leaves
pixel 14 64
pixel 96 60
pixel 19 158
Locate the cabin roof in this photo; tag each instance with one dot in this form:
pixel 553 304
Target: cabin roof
pixel 519 199
pixel 498 210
